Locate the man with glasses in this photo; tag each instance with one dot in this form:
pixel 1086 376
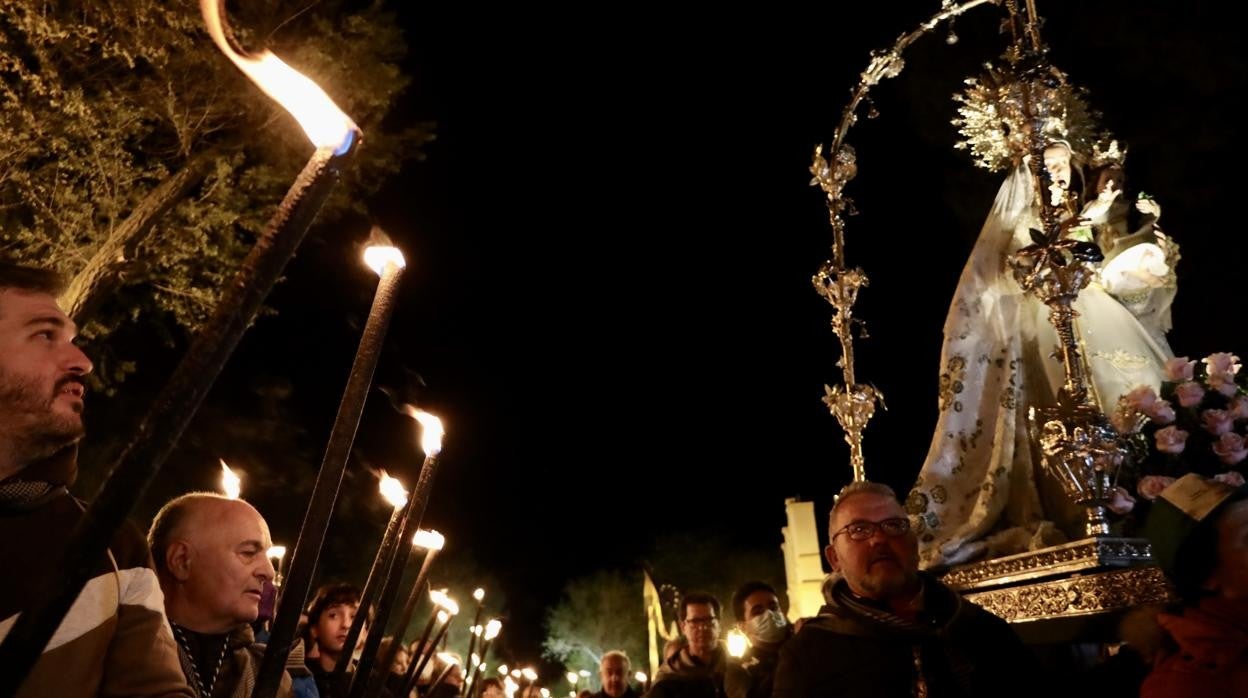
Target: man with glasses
pixel 888 629
pixel 697 670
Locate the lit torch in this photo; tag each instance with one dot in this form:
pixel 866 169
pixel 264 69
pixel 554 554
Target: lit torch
pixel 333 134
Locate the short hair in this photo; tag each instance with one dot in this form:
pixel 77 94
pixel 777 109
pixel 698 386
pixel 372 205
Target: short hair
pixel 859 487
pixel 32 279
pixel 167 520
pixel 337 594
pixel 616 654
pixel 738 598
pixel 698 597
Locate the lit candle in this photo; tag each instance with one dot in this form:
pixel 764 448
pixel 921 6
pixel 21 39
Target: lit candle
pixel 394 494
pixel 182 394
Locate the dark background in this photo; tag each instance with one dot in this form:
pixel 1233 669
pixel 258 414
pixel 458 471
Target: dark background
pixel 611 242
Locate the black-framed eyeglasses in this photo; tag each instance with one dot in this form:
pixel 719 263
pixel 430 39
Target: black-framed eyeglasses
pixel 863 530
pixel 702 622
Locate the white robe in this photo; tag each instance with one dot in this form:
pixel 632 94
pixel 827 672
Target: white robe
pixel 980 491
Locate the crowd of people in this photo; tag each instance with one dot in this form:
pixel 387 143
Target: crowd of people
pixel 173 614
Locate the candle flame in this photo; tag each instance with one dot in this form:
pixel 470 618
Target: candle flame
pixel 493 628
pixel 640 676
pixel 429 540
pixel 431 430
pixel 479 594
pixel 392 490
pixel 231 485
pixel 325 124
pixel 377 257
pixel 737 643
pixel 277 551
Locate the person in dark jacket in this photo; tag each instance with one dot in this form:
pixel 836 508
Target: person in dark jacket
pixel 697 669
pixel 757 608
pixel 613 671
pixel 889 631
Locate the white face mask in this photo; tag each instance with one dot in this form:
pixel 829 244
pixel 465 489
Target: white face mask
pixel 766 627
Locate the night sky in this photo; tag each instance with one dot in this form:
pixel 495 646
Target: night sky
pixel 611 242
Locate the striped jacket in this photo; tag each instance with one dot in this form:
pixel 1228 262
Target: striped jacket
pixel 115 640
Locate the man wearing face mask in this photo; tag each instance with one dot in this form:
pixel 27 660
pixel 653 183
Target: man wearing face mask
pixel 757 607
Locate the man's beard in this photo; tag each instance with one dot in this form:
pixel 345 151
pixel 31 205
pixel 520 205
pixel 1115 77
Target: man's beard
pixel 35 429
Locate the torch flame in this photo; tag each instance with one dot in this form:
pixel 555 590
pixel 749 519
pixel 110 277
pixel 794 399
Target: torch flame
pixel 429 540
pixel 493 628
pixel 230 484
pixel 377 257
pixel 573 677
pixel 326 125
pixel 392 490
pixel 431 430
pixel 277 551
pixel 439 597
pixel 448 658
pixel 479 594
pixel 640 676
pixel 529 673
pixel 443 616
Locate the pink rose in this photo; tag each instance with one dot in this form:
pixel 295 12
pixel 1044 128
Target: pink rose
pixel 1152 485
pixel 1238 407
pixel 1220 370
pixel 1231 478
pixel 1189 394
pixel 1221 362
pixel 1171 440
pixel 1161 412
pixel 1141 397
pixel 1217 422
pixel 1222 382
pixel 1120 501
pixel 1230 448
pixel 1179 369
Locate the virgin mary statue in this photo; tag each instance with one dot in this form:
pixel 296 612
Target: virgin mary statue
pixel 981 492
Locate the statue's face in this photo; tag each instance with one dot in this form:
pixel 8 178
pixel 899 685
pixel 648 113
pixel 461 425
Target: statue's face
pixel 1057 162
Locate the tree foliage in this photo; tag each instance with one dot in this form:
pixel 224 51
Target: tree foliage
pixel 139 162
pixel 597 613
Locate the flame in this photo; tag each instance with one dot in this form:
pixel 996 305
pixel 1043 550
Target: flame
pixel 545 693
pixel 573 677
pixel 584 673
pixel 231 485
pixel 529 673
pixel 431 430
pixel 448 658
pixel 378 257
pixel 392 490
pixel 737 643
pixel 439 597
pixel 502 668
pixel 474 659
pixel 493 628
pixel 326 125
pixel 443 616
pixel 479 594
pixel 429 540
pixel 515 673
pixel 640 676
pixel 277 551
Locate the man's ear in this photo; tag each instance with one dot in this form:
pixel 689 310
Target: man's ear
pixel 829 553
pixel 178 559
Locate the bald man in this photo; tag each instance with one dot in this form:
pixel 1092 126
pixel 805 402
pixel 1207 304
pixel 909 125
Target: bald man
pixel 212 559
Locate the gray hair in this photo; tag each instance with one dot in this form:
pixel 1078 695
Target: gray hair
pixel 616 654
pixel 859 487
